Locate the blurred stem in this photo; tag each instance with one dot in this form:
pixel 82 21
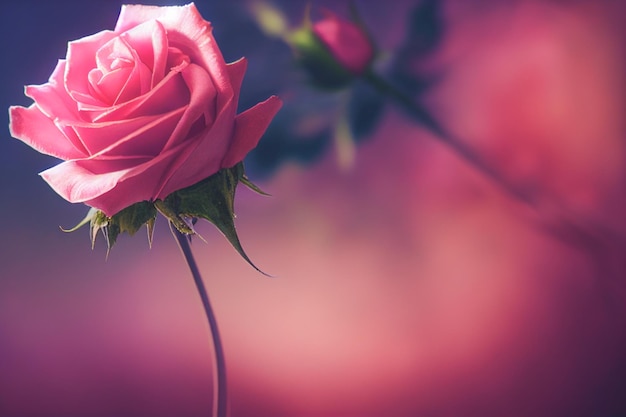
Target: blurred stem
pixel 558 220
pixel 461 148
pixel 220 397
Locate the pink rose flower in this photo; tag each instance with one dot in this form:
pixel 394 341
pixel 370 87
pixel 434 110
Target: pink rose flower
pixel 141 111
pixel 346 41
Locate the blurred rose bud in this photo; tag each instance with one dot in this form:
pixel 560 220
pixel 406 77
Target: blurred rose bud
pixel 334 51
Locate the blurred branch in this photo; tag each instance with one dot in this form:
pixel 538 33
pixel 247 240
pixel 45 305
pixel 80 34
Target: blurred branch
pixel 465 151
pixel 585 234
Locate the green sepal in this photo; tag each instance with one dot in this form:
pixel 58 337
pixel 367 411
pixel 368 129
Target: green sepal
pixel 211 199
pixel 325 72
pixel 173 216
pixel 128 220
pixel 150 228
pixel 87 219
pixel 100 222
pixel 132 218
pixel 246 181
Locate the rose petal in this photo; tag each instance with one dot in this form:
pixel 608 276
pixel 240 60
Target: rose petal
pixel 201 157
pixel 236 72
pixel 149 40
pixel 81 59
pixel 77 184
pixel 187 30
pixel 51 97
pixel 54 102
pixel 234 140
pixel 35 129
pixel 139 136
pixel 107 87
pixel 84 180
pixel 249 127
pixel 170 94
pixel 137 84
pixel 201 103
pixel 121 74
pixel 109 184
pixel 88 102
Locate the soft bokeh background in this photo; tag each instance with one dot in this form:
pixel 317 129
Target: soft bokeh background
pixel 406 284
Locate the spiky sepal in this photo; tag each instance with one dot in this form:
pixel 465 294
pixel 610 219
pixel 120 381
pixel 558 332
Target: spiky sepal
pixel 211 199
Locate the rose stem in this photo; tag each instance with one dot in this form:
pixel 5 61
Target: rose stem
pixel 220 397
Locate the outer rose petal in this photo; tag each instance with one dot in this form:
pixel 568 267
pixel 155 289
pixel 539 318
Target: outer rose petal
pixel 249 127
pixel 53 101
pixel 236 71
pixel 51 97
pixel 206 156
pixel 110 185
pixel 77 184
pixel 35 129
pixel 202 155
pixel 226 142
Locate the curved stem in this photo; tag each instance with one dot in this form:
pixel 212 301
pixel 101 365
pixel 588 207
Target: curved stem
pixel 460 147
pixel 220 396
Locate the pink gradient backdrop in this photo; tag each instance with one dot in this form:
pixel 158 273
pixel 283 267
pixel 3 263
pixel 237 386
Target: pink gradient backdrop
pixel 408 285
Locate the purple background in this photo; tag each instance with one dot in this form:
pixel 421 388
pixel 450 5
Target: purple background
pixel 406 284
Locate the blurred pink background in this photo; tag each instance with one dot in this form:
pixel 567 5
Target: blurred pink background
pixel 406 285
